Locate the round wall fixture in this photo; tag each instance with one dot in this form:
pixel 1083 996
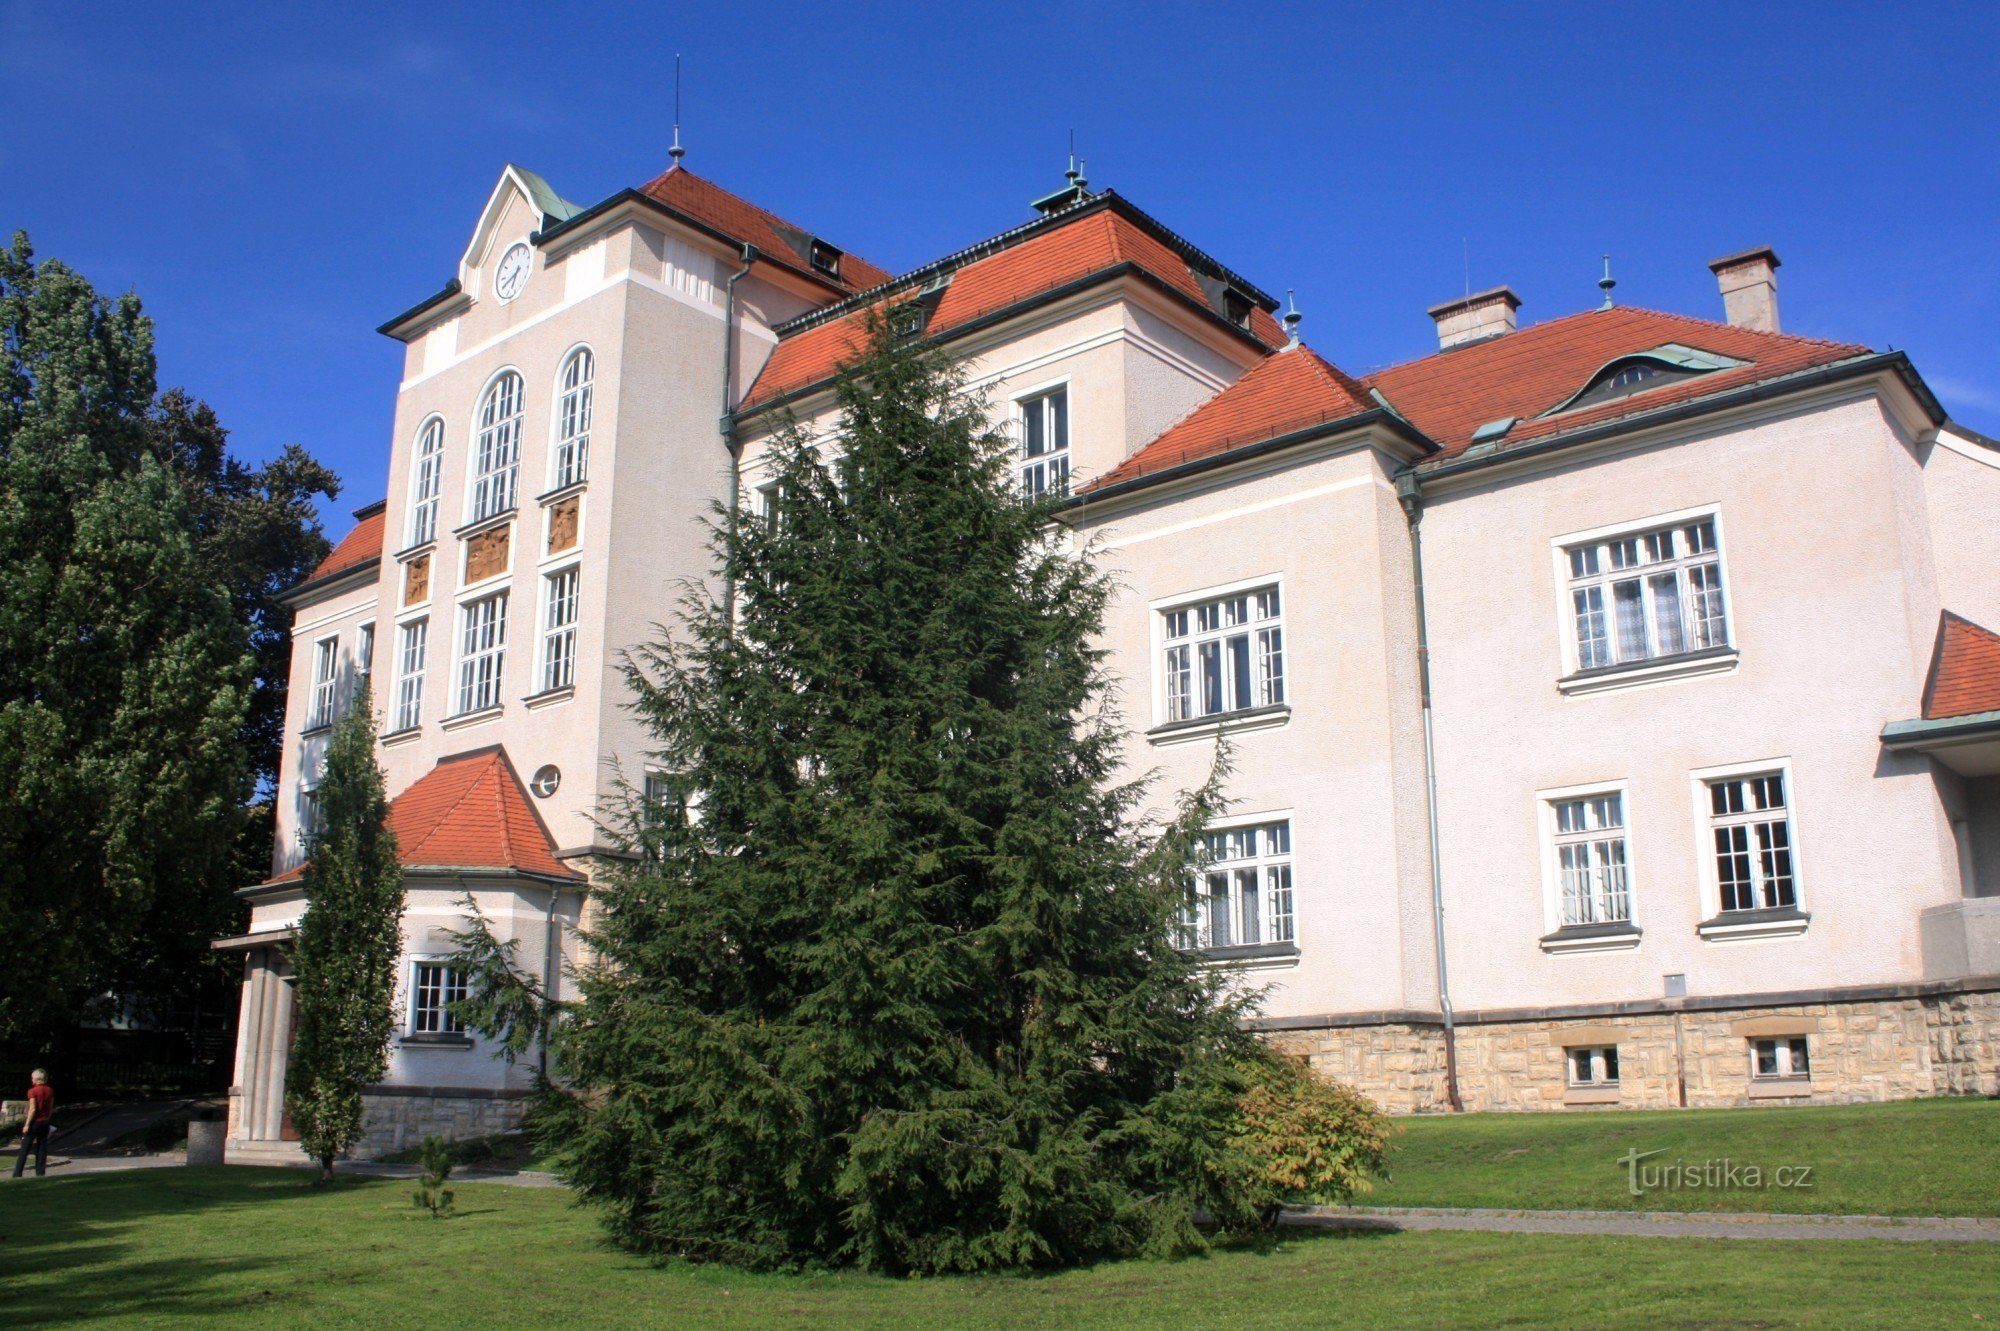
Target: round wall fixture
pixel 546 781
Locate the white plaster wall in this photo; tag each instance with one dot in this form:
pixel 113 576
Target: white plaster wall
pixel 1962 487
pixel 1819 512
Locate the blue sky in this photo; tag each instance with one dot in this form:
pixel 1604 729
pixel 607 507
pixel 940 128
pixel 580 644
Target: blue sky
pixel 275 181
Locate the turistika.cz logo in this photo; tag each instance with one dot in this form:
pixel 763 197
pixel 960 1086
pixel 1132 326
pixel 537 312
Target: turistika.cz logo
pixel 1723 1175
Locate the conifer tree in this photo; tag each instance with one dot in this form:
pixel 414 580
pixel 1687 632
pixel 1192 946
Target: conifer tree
pixel 892 978
pixel 344 962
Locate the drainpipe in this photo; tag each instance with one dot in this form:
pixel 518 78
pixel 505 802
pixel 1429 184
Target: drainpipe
pixel 728 421
pixel 551 974
pixel 1408 493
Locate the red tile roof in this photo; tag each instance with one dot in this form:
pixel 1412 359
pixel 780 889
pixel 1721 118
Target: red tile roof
pixel 470 812
pixel 743 221
pixel 1965 670
pixel 1290 391
pixel 361 546
pixel 1095 241
pixel 1451 394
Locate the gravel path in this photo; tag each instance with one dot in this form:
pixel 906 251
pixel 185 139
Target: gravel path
pixel 1655 1224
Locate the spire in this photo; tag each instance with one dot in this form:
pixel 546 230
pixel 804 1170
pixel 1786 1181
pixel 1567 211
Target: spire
pixel 1074 190
pixel 1292 319
pixel 677 152
pixel 1605 283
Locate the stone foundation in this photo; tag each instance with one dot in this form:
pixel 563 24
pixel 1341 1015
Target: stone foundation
pixel 1893 1042
pixel 397 1118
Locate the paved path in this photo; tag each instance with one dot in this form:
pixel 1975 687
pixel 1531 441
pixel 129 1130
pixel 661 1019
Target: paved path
pixel 63 1165
pixel 1655 1224
pixel 512 1178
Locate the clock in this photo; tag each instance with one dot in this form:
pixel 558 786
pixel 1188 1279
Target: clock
pixel 512 274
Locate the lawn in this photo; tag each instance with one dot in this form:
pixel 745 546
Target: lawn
pixel 1915 1157
pixel 256 1248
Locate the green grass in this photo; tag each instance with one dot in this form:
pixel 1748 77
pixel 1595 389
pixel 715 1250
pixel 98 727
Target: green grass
pixel 1915 1157
pixel 263 1248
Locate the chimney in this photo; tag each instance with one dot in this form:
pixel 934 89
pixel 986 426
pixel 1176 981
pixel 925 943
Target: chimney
pixel 1749 283
pixel 1481 315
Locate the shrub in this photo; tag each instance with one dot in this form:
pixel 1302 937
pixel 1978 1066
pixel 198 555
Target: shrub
pixel 1309 1139
pixel 431 1194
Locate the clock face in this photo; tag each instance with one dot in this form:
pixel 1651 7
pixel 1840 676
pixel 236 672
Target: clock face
pixel 512 274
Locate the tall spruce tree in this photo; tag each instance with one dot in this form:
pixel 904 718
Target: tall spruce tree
pixel 344 961
pixel 892 980
pixel 124 674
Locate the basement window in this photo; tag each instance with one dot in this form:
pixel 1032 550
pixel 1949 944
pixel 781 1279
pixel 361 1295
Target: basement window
pixel 1593 1066
pixel 1780 1060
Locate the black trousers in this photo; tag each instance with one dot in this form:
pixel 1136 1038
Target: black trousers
pixel 35 1138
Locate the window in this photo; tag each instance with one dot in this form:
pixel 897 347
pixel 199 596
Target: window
pixel 429 474
pixel 573 418
pixel 435 987
pixel 1242 893
pixel 326 660
pixel 1590 859
pixel 1045 444
pixel 559 629
pixel 825 258
pixel 364 653
pixel 1629 377
pixel 1753 842
pixel 1225 655
pixel 1593 1066
pixel 1655 594
pixel 410 653
pixel 1771 1059
pixel 482 653
pixel 497 453
pixel 309 816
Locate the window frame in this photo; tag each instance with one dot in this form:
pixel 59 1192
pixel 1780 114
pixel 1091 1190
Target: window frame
pixel 1023 464
pixel 1783 1049
pixel 558 439
pixel 449 1029
pixel 409 701
pixel 1579 677
pixel 1164 695
pixel 1268 948
pixel 477 475
pixel 364 652
pixel 1601 1059
pixel 547 632
pixel 465 688
pixel 323 699
pixel 426 483
pixel 1758 921
pixel 1608 933
pixel 306 815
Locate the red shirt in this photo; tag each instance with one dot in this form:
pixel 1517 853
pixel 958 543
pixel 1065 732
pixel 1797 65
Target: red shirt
pixel 41 1102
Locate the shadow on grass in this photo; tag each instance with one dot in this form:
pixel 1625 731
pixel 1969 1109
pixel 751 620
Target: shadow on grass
pixel 61 1239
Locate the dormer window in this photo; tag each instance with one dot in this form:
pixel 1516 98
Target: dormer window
pixel 825 258
pixel 1645 371
pixel 1238 307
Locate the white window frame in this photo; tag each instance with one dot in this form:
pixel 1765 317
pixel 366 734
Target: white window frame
pixel 556 666
pixel 1721 925
pixel 444 992
pixel 307 815
pixel 570 422
pixel 412 660
pixel 482 654
pixel 325 683
pixel 1033 474
pixel 1785 1052
pixel 1549 806
pixel 1577 661
pixel 1178 685
pixel 426 481
pixel 495 470
pixel 1597 1062
pixel 364 653
pixel 1271 886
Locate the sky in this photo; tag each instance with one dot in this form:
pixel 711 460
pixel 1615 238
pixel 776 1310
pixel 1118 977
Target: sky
pixel 275 181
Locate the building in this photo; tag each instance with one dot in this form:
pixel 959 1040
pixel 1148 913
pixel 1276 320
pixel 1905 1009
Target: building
pixel 1615 700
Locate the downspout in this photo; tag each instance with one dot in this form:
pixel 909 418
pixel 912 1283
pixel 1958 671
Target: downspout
pixel 728 421
pixel 551 974
pixel 1408 492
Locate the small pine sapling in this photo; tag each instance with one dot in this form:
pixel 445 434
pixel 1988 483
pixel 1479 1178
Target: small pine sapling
pixel 431 1194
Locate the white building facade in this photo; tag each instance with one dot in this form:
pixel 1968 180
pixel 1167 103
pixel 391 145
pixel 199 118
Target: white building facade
pixel 1613 706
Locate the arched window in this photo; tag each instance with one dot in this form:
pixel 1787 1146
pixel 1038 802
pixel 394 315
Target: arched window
pixel 497 453
pixel 428 471
pixel 572 454
pixel 1634 374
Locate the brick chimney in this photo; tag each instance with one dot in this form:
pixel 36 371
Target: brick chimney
pixel 1481 315
pixel 1749 283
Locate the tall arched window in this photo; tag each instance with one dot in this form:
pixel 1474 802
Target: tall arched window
pixel 573 418
pixel 497 453
pixel 428 470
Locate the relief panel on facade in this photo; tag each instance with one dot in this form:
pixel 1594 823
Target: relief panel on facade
pixel 486 554
pixel 417 580
pixel 562 524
